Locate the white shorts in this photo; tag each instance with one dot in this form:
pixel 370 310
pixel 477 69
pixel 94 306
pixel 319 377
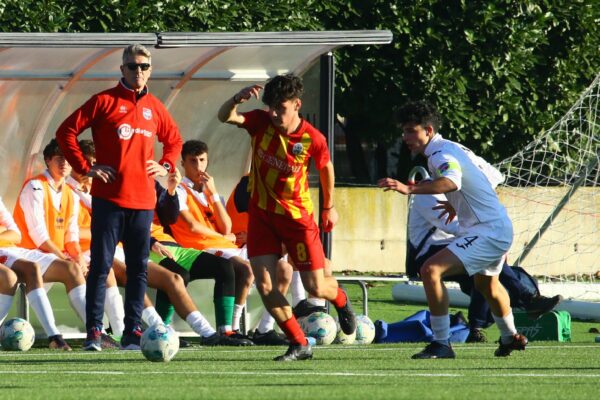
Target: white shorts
pixel 482 247
pixel 8 256
pixel 228 253
pixel 119 255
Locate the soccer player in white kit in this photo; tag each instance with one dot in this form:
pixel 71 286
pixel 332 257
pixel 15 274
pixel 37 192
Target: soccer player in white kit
pixel 485 234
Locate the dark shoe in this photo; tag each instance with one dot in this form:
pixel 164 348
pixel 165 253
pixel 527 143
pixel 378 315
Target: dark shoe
pixel 458 318
pixel 57 342
pixel 296 352
pixel 184 343
pixel 304 309
pixel 93 340
pixel 435 350
pixel 131 340
pixel 518 343
pixel 108 342
pixel 347 318
pixel 270 338
pixel 224 340
pixel 476 335
pixel 539 305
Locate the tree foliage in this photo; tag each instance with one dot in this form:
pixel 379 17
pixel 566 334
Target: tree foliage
pixel 500 71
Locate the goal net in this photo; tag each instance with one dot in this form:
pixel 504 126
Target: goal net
pixel 552 195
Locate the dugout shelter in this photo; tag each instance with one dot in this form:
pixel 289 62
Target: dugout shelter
pixel 46 76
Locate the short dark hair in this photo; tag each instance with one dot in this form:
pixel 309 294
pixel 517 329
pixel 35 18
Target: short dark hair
pixel 193 148
pixel 421 113
pixel 52 149
pixel 87 147
pixel 282 88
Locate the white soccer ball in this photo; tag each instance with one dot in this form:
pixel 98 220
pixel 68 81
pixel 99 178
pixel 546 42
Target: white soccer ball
pixel 365 330
pixel 320 326
pixel 16 334
pixel 159 343
pixel 342 338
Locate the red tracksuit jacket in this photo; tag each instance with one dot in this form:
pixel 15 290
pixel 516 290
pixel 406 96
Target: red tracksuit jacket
pixel 123 130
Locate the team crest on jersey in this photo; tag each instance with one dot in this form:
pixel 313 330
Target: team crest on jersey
pixel 147 113
pixel 297 149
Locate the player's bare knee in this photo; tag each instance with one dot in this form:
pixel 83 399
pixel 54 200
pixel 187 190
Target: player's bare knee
pixel 8 281
pixel 73 272
pixel 31 274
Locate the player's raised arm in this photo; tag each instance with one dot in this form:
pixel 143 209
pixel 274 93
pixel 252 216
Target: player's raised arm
pixel 228 111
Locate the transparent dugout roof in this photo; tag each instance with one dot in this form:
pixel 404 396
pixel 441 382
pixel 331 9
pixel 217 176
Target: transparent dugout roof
pixel 45 77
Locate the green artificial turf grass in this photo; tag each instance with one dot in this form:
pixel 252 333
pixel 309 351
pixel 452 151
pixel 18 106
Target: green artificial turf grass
pixel 545 370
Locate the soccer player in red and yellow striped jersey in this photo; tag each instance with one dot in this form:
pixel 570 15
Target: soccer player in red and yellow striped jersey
pixel 281 211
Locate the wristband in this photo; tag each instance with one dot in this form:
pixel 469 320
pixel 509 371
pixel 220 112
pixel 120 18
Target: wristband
pixel 216 197
pixel 327 209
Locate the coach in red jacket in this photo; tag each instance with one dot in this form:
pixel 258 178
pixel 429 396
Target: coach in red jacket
pixel 124 121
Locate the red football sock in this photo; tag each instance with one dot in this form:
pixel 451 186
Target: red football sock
pixel 294 333
pixel 340 299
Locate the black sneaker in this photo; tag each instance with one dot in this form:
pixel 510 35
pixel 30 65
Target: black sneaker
pixel 296 352
pixel 435 350
pixel 184 343
pixel 108 342
pixel 346 317
pixel 93 340
pixel 56 342
pixel 304 309
pixel 518 343
pixel 270 338
pixel 539 305
pixel 131 340
pixel 224 340
pixel 476 335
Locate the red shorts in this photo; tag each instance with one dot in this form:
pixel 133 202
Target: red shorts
pixel 267 231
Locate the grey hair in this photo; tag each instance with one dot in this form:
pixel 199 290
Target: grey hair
pixel 135 50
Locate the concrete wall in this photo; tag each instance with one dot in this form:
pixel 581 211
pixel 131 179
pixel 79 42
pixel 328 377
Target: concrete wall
pixel 371 233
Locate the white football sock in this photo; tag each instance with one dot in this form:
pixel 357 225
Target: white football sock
pixel 41 306
pixel 77 300
pixel 199 324
pixel 440 325
pixel 114 309
pixel 266 324
pixel 298 293
pixel 237 315
pixel 506 325
pixel 5 304
pixel 151 317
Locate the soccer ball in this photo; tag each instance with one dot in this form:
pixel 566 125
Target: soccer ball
pixel 17 334
pixel 159 343
pixel 320 326
pixel 342 338
pixel 365 330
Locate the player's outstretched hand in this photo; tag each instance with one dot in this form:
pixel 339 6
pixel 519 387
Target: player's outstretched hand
pixel 328 219
pixel 392 184
pixel 447 210
pixel 105 173
pixel 161 250
pixel 247 93
pixel 155 169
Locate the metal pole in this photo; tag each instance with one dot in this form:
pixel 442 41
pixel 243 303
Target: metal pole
pixel 326 126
